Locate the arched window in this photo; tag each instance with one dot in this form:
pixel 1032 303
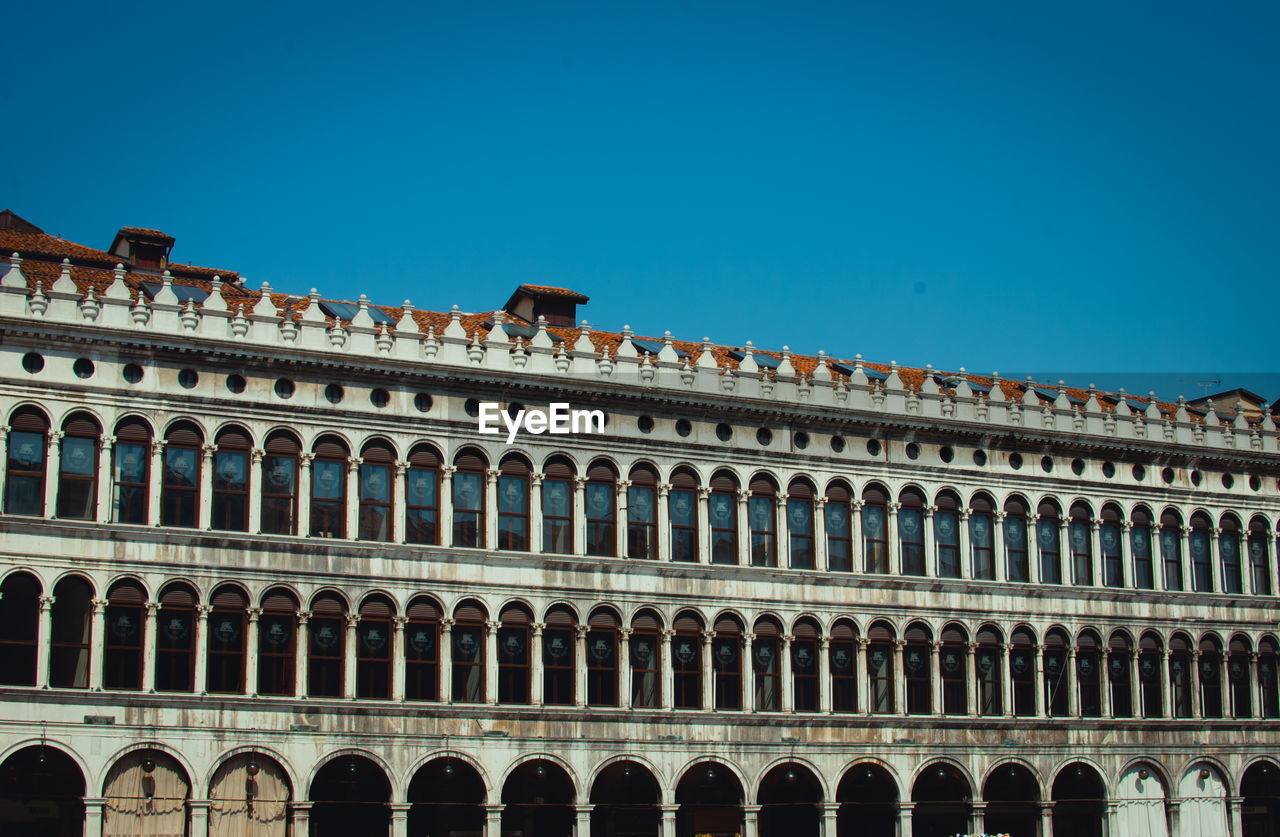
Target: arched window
pixel 953 665
pixel 327 633
pixel 683 511
pixel 1119 664
pixel 1109 529
pixel 557 506
pixel 558 641
pixel 916 662
pixel 686 661
pixel 946 533
pixel 1017 562
pixel 72 625
pixel 646 660
pixel 468 499
pixel 1259 557
pixel 843 659
pixel 180 489
pixel 129 458
pixel 1057 677
pixel 1180 662
pixel 1210 672
pixel 766 664
pixel 78 468
pixel 373 648
pixel 1022 672
pixel 1151 674
pixel 27 443
pixel 122 649
pixel 838 516
pixel 875 544
pixel 175 639
pixel 513 504
pixel 911 531
pixel 224 670
pixel 602 658
pixel 804 665
pixel 987 661
pixel 800 524
pixel 1229 554
pixel 642 513
pixel 723 511
pixel 1201 553
pixel 1048 542
pixel 1238 677
pixel 982 537
pixel 1269 677
pixel 880 668
pixel 329 488
pixel 602 536
pixel 19 629
pixel 1140 549
pixel 422 650
pixel 280 484
pixel 377 478
pixel 231 480
pixel 1171 549
pixel 1080 538
pixel 726 652
pixel 763 520
pixel 277 643
pixel 468 652
pixel 422 496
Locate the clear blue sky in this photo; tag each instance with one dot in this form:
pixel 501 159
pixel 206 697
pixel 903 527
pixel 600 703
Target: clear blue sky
pixel 1020 186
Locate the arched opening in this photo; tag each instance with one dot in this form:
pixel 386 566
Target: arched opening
pixel 72 627
pixel 1109 531
pixel 800 524
pixel 602 657
pixel 842 657
pixel 805 681
pixel 146 792
pixel 722 509
pixel 326 654
pixel 625 797
pixel 726 654
pixel 880 668
pixel 875 543
pixel 277 643
pixel 868 800
pixel 180 487
pixel 19 629
pixel 25 466
pixel 1259 548
pixel 1269 677
pixel 1080 542
pixel 1079 801
pixel 1260 788
pixel 373 649
pixel 422 496
pixel 469 498
pixel 447 797
pixel 642 513
pixel 1012 795
pixel 559 640
pixel 766 665
pixel 918 668
pixel 682 508
pixel 1171 549
pixel 1203 809
pixel 130 457
pixel 1151 674
pixel 686 661
pixel 837 517
pixel 1022 672
pixel 1239 677
pixel 329 487
pixel 1119 666
pixel 1140 548
pixel 226 642
pixel 249 796
pixel 1181 694
pixel 602 508
pixel 710 799
pixel 349 795
pixel 1049 541
pixel 790 799
pixel 946 534
pixel 175 639
pixel 1017 562
pixel 987 660
pixel 41 792
pixel 280 484
pixel 1210 676
pixel 646 660
pixel 1057 676
pixel 1201 539
pixel 1089 673
pixel 122 666
pixel 1139 803
pixel 78 468
pixel 982 537
pixel 762 518
pixel 514 657
pixel 557 506
pixel 377 466
pixel 231 480
pixel 1229 554
pixel 942 798
pixel 468 652
pixel 537 799
pixel 422 650
pixel 911 531
pixel 513 504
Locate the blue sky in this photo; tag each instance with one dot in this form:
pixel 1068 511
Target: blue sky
pixel 1005 186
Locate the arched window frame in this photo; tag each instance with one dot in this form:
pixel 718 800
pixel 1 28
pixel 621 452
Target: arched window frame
pixel 1022 673
pixel 946 534
pixel 278 637
pixel 601 510
pixel 1259 546
pixel 988 690
pixel 373 648
pixel 911 532
pixel 726 661
pixel 805 678
pixel 422 496
pixel 682 512
pixel 1141 550
pixel 686 662
pixel 800 541
pixel 1111 544
pixel 78 468
pixel 843 664
pixel 1181 659
pixel 1240 677
pixel 326 654
pixel 1016 557
pixel 131 472
pixel 642 513
pixel 180 484
pixel 468 653
pixel 918 671
pixel 329 464
pixel 1119 665
pixel 723 514
pixel 646 661
pixel 175 647
pixel 982 548
pixel 1209 674
pixel 838 519
pixel 1171 549
pixel 1201 541
pixel 225 641
pixel 71 629
pixel 559 652
pixel 513 504
pixel 231 487
pixel 1057 675
pixel 126 636
pixel 1229 554
pixel 19 629
pixel 1080 544
pixel 875 530
pixel 953 671
pixel 279 490
pixel 880 670
pixel 422 650
pixel 1049 542
pixel 1151 675
pixel 558 506
pixel 26 462
pixel 376 518
pixel 1269 677
pixel 766 665
pixel 602 658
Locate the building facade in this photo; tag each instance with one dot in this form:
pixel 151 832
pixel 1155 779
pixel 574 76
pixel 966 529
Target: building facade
pixel 262 575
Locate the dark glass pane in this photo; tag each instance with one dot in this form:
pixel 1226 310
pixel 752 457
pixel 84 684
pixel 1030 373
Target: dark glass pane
pixel 326 479
pixel 79 456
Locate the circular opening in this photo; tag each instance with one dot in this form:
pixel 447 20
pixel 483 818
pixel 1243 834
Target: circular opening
pixel 1077 466
pixel 1255 482
pixel 472 407
pixel 724 432
pixel 913 450
pixel 333 393
pixel 83 367
pixel 683 427
pixel 979 458
pixel 33 362
pixel 379 397
pixel 837 444
pixel 1015 461
pixel 1196 477
pixel 1108 469
pixel 285 388
pixel 132 373
pixel 801 440
pixel 422 402
pixel 764 436
pixel 514 408
pixel 1139 473
pixel 188 378
pixel 947 453
pixel 235 383
pixel 1046 464
pixel 1167 475
pixel 645 423
pixel 873 447
pixel 1228 481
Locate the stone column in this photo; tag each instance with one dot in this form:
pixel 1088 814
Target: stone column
pixel 820 561
pixel 899 679
pixel 304 494
pixel 255 490
pixel 1033 549
pixel 667 686
pixel 1046 819
pixel 1255 686
pixel 579 515
pixel 999 553
pixel 620 547
pixel 824 675
pixel 397 656
pixel 105 481
pixel 149 647
pixel 935 678
pixel 1197 709
pixel 669 820
pixel 966 548
pixel 97 644
pixel 44 638
pixel 582 821
pixel 200 645
pixel 489 524
pixel 972 706
pixel 1188 583
pixel 349 660
pixel 1006 680
pixel 1041 693
pixel 491 661
pixel 782 531
pixel 891 539
pixel 664 523
pixel 1224 687
pixel 930 544
pixel 1104 683
pixel 624 668
pixel 904 819
pixel 492 821
pixel 301 818
pixel 399 508
pixel 351 510
pixel 580 667
pixel 979 825
pixel 744 529
pixel 856 560
pixel 537 683
pixel 53 468
pixel 751 817
pixel 400 818
pixel 1135 685
pixel 204 499
pixel 748 674
pixel 535 512
pixel 251 652
pixel 4 457
pixel 862 687
pixel 446 505
pixel 830 813
pixel 199 817
pixel 1109 823
pixel 786 700
pixel 93 809
pixel 1095 557
pixel 1073 684
pixel 446 659
pixel 1128 572
pixel 1066 563
pixel 704 525
pixel 1235 806
pixel 1175 818
pixel 155 478
pixel 303 656
pixel 708 671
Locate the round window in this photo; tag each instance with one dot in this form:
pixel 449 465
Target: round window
pixel 645 423
pixel 132 373
pixel 187 378
pixel 235 383
pixel 764 436
pixel 333 393
pixel 837 444
pixel 33 362
pixel 379 397
pixel 422 402
pixel 284 388
pixel 724 432
pixel 83 367
pixel 683 428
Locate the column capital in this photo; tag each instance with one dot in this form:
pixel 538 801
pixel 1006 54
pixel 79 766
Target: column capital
pixel 398 622
pixel 46 603
pixel 203 611
pixel 151 607
pixel 353 619
pixel 704 492
pixel 447 623
pixel 157 446
pixel 401 468
pixel 255 455
pixel 537 478
pixel 254 613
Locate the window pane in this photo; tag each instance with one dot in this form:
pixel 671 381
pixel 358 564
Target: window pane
pixel 180 467
pixel 78 455
pixel 326 480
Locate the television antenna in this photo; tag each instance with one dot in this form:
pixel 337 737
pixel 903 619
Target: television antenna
pixel 1205 383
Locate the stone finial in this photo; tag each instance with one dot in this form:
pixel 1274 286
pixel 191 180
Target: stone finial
pixel 498 334
pixel 542 338
pixel 821 368
pixel 475 352
pixel 706 358
pixel 668 353
pixel 785 368
pixel 188 316
pixel 407 324
pixel 1029 397
pixel 626 348
pixel 929 386
pixel 14 278
pixel 454 329
pixel 312 313
pixel 431 345
pixel 996 393
pixel 89 306
pixel 583 343
pixel 239 323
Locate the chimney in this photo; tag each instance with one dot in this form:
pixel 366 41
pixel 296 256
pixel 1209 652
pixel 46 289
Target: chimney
pixel 558 305
pixel 142 248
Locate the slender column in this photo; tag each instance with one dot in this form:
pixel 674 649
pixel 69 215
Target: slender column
pixel 1073 683
pixel 1110 824
pixel 979 825
pixel 1235 805
pixel 998 550
pixel 855 538
pixel 783 530
pixel 787 702
pixel 748 675
pixel 397 657
pixel 303 656
pixel 204 499
pixel 580 667
pixel 830 812
pixel 820 533
pixel 301 816
pixel 446 505
pixel 708 671
pixel 1197 710
pixel 971 703
pixel 582 820
pixel 1104 683
pixel 446 659
pixel 201 648
pixel 492 821
pixel 891 539
pixel 1188 583
pixel 97 641
pixel 535 513
pixel 966 548
pixel 149 647
pixel 1066 563
pixel 255 490
pixel 863 688
pixel 621 529
pixel 52 471
pixel 1255 686
pixel 103 504
pixel 1224 689
pixel 668 685
pixel 1006 680
pixel 44 639
pixel 251 652
pixel 899 679
pixel 93 809
pixel 349 657
pixel 1157 557
pixel 399 491
pixel 351 513
pixel 491 662
pixel 1135 686
pixel 664 523
pixel 304 494
pixel 1033 549
pixel 1046 819
pixel 904 819
pixel 155 477
pixel 537 683
pixel 400 818
pixel 669 820
pixel 751 819
pixel 199 817
pixel 930 546
pixel 4 457
pixel 490 521
pixel 744 530
pixel 624 668
pixel 1128 575
pixel 1175 817
pixel 579 515
pixel 1095 556
pixel 1042 696
pixel 824 675
pixel 935 677
pixel 704 525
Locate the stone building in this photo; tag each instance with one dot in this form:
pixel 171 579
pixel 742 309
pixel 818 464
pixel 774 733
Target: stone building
pixel 262 575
